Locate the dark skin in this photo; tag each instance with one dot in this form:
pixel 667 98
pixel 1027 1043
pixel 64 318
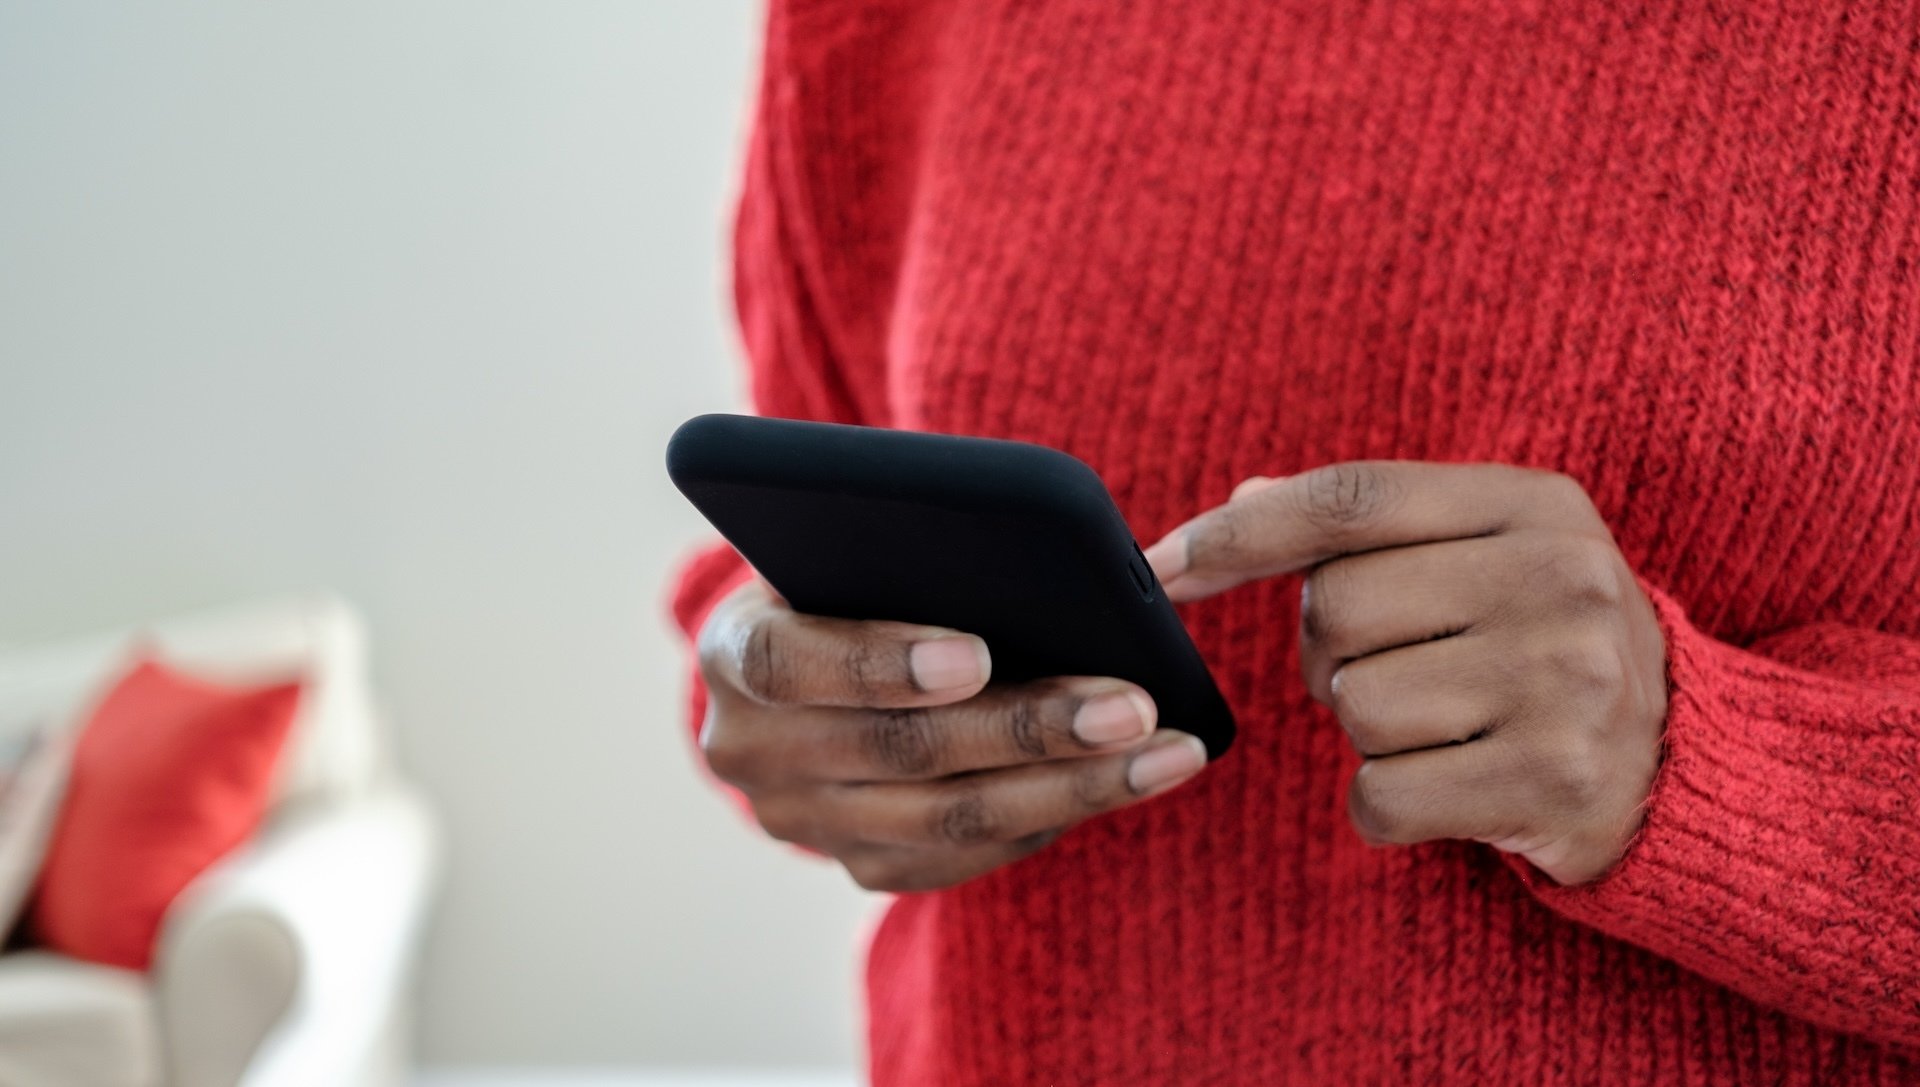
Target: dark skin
pixel 916 778
pixel 1473 627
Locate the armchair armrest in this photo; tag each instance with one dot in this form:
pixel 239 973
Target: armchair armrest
pixel 286 963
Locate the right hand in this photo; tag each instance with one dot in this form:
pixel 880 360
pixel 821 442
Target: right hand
pixel 878 744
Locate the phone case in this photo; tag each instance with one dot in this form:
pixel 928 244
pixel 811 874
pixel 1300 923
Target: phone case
pixel 1015 542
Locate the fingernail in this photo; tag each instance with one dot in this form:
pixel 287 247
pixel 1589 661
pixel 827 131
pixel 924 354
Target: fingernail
pixel 1169 557
pixel 1113 718
pixel 1165 763
pixel 942 664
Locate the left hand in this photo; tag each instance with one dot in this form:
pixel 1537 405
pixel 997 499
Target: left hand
pixel 1478 634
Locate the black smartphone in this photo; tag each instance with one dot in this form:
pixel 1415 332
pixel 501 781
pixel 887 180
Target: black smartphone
pixel 1017 543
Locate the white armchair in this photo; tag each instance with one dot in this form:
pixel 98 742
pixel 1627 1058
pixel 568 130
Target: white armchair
pixel 287 963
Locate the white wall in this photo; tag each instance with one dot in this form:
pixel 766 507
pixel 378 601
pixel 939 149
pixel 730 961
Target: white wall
pixel 403 298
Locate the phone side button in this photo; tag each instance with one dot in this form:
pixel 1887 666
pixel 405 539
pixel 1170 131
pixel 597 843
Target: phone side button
pixel 1142 574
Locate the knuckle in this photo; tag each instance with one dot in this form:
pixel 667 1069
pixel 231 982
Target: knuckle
pixel 1586 575
pixel 1371 808
pixel 1223 536
pixel 1324 612
pixel 1357 705
pixel 903 741
pixel 964 819
pixel 1313 607
pixel 784 820
pixel 1339 496
pixel 732 757
pixel 1092 788
pixel 864 664
pixel 877 874
pixel 1565 491
pixel 1026 731
pixel 1039 720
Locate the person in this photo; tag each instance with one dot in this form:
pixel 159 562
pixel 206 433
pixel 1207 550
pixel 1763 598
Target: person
pixel 1526 399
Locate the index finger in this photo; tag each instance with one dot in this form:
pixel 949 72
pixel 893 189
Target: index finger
pixel 1341 509
pixel 756 645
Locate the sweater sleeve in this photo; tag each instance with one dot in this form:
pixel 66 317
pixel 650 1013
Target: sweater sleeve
pixel 1780 852
pixel 797 366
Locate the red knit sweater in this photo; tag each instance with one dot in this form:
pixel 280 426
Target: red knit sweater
pixel 1668 248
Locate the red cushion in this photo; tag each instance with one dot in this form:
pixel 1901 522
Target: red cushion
pixel 169 774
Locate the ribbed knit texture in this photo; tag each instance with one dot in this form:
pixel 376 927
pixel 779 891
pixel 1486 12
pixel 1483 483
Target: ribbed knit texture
pixel 1668 248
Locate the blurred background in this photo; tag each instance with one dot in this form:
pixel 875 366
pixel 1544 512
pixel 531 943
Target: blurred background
pixel 402 300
